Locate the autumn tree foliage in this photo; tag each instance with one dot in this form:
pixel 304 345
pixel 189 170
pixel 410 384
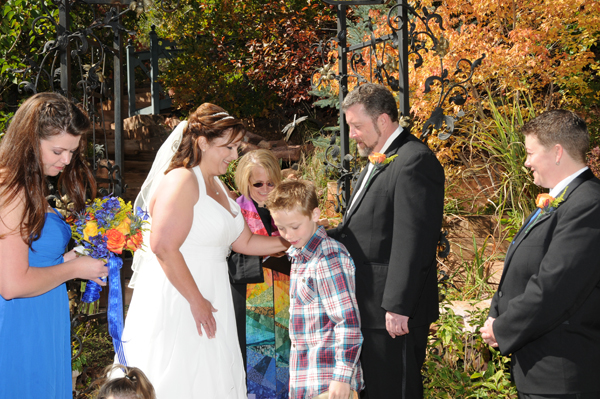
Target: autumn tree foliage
pixel 542 48
pixel 247 56
pixel 539 55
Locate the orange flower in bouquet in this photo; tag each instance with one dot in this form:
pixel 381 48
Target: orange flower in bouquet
pixel 115 241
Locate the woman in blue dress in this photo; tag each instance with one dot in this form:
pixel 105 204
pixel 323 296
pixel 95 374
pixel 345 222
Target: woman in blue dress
pixel 42 140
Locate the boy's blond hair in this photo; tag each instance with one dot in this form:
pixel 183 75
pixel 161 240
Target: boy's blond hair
pixel 293 195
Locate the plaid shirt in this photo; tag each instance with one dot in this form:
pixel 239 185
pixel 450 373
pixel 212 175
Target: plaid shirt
pixel 324 318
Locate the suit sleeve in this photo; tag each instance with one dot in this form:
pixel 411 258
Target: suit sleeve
pixel 418 210
pixel 494 306
pixel 569 271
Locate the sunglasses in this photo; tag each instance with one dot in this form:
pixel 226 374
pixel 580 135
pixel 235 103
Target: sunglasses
pixel 260 184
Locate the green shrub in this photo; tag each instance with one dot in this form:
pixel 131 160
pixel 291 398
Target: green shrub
pixel 460 365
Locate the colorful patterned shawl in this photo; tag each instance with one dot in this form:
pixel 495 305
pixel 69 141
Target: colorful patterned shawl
pixel 253 218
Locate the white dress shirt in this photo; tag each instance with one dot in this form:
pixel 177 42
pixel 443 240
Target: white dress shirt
pixel 370 166
pixel 558 189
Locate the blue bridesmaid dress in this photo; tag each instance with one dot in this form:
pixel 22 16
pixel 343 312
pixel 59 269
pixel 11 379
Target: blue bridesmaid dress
pixel 35 336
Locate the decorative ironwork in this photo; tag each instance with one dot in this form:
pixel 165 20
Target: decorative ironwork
pixel 159 48
pixel 412 35
pixel 89 54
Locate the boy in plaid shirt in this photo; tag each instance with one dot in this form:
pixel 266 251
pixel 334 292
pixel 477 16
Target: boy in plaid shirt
pixel 324 318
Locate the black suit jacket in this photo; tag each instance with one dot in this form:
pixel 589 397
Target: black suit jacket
pixel 547 306
pixel 392 231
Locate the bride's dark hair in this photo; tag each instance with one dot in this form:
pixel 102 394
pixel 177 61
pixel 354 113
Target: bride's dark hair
pixel 210 121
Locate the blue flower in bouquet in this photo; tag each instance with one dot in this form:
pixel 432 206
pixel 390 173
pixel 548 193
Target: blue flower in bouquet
pixel 141 213
pixel 104 217
pixel 108 225
pixel 97 247
pixel 112 204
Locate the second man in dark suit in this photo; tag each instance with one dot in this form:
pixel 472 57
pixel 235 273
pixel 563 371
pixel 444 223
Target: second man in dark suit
pixel 546 312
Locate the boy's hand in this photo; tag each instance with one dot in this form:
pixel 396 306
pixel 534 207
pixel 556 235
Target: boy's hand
pixel 339 390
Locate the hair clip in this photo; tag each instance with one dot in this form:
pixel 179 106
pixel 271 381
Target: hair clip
pixel 227 116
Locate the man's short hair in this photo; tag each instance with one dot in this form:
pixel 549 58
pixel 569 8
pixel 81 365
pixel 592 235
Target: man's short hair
pixel 375 98
pixel 292 195
pixel 562 127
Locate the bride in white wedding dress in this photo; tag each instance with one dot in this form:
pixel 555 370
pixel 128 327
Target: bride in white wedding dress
pixel 180 328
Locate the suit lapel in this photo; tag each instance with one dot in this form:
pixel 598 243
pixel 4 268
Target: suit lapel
pixel 525 231
pixel 394 147
pixel 362 176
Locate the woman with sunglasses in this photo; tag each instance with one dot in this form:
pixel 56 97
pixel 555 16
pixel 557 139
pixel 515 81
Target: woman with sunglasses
pixel 260 286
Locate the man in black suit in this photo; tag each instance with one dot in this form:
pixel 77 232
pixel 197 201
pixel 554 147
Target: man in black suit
pixel 391 229
pixel 546 312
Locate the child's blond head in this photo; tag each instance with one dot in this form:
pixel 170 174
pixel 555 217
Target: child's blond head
pixel 291 195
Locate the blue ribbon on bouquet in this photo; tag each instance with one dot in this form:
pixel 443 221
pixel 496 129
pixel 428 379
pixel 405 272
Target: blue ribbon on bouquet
pixel 115 302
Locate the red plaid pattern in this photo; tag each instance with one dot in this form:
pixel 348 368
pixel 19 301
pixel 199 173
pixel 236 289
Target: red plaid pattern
pixel 324 318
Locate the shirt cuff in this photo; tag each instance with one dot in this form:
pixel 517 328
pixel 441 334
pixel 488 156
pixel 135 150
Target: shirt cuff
pixel 343 373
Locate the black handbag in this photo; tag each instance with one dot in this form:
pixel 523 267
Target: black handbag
pixel 245 269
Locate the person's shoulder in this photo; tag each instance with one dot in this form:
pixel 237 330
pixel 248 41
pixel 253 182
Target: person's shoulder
pixel 330 248
pixel 180 174
pixel 11 213
pixel 177 182
pixel 179 177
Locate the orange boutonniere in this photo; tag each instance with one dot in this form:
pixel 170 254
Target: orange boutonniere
pixel 378 159
pixel 543 200
pixel 548 203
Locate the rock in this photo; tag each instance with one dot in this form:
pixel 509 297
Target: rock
pixel 495 272
pixel 253 138
pixel 289 173
pixel 332 192
pixel 137 121
pixel 264 145
pixel 289 153
pixel 464 308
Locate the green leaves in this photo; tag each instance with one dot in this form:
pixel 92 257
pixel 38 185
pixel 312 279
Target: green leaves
pixel 460 365
pixel 249 57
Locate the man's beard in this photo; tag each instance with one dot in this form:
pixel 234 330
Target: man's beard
pixel 368 150
pixel 365 151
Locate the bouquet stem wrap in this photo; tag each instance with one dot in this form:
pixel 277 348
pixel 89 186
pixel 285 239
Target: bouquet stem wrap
pixel 92 292
pixel 115 302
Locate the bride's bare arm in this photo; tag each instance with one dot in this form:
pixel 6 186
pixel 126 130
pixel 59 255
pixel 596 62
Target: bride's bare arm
pixel 172 215
pixel 254 244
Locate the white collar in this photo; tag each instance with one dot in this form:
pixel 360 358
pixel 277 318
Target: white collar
pixel 391 139
pixel 558 189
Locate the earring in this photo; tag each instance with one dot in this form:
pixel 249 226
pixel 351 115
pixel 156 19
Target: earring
pixel 558 162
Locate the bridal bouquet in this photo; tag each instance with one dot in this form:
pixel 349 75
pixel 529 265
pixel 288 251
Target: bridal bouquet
pixel 107 227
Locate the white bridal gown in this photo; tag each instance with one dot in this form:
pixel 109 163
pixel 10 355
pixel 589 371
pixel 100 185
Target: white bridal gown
pixel 160 335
